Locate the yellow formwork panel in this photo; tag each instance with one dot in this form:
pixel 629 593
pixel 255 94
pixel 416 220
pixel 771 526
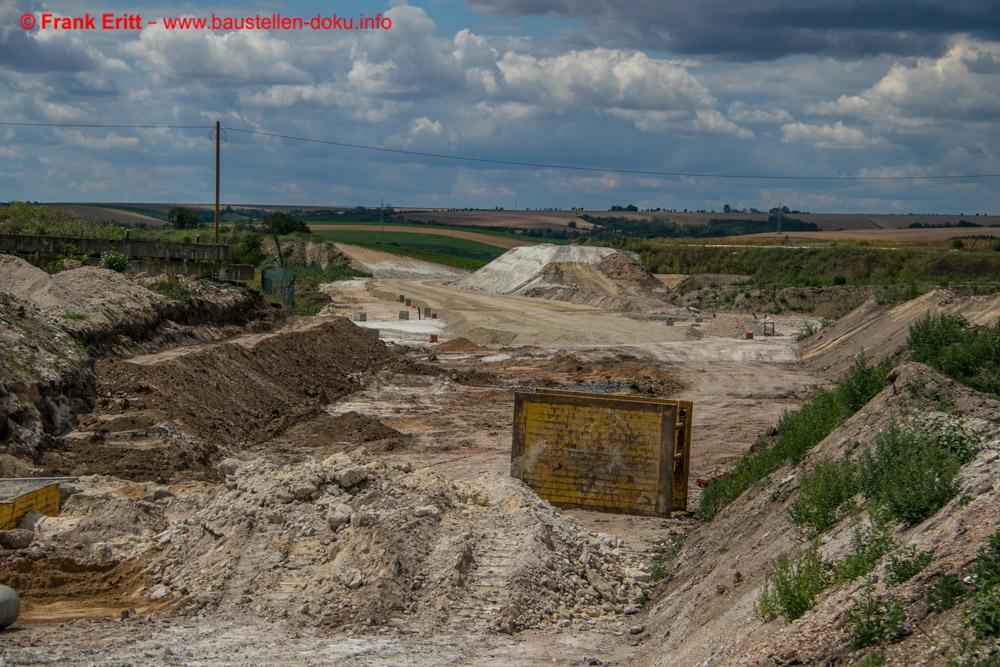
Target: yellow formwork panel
pixel 596 451
pixel 682 438
pixel 44 500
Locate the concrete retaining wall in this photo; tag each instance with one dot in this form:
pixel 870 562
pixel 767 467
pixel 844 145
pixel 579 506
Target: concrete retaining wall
pixel 56 245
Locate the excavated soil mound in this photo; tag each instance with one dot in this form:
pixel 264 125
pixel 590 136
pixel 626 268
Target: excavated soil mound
pixel 328 434
pixel 53 590
pixel 44 378
pixel 98 307
pixel 624 374
pixel 165 414
pixel 517 269
pixel 599 277
pixel 456 345
pixel 624 268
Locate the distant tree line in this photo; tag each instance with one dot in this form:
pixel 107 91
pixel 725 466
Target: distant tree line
pixel 610 227
pixel 943 225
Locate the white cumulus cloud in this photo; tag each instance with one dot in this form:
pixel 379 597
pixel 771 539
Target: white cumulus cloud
pixel 837 135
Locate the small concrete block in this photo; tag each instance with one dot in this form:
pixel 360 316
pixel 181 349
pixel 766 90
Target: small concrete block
pixel 404 314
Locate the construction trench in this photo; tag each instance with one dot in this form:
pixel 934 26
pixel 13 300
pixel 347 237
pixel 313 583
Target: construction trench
pixel 256 489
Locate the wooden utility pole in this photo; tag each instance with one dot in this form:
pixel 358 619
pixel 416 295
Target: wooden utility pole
pixel 217 140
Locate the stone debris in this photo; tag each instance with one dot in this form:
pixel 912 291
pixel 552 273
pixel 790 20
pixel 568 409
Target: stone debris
pixel 351 542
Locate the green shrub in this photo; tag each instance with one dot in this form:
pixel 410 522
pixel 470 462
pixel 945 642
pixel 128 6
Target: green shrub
pixel 824 491
pixel 982 615
pixel 987 570
pixel 249 250
pixel 863 381
pixel 874 659
pixel 114 260
pixel 792 586
pixel 913 472
pixel 946 592
pixel 904 564
pixel 808 329
pixel 874 619
pixel 970 355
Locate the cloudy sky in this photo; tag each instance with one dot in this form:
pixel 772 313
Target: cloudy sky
pixel 845 92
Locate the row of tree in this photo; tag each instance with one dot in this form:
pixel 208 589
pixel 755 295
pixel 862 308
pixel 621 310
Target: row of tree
pixel 277 222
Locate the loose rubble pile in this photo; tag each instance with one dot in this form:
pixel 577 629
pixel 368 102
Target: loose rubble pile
pixel 349 543
pixel 353 541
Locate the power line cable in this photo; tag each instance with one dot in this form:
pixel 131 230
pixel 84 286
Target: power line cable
pixel 603 169
pixel 515 163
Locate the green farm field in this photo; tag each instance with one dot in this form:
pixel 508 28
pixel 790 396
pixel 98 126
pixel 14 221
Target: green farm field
pixel 450 250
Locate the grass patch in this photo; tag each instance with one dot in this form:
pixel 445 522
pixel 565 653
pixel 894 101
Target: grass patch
pixel 172 288
pixel 72 316
pixel 874 659
pixel 427 245
pixel 435 257
pixel 798 432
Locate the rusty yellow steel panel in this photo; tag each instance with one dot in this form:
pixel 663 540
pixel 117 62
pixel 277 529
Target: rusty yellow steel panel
pixel 44 500
pixel 682 442
pixel 596 452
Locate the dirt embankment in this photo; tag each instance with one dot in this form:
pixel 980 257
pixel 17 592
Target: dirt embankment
pixel 52 327
pixel 704 611
pixel 172 415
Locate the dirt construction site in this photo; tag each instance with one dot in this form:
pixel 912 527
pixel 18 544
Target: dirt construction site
pixel 242 487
